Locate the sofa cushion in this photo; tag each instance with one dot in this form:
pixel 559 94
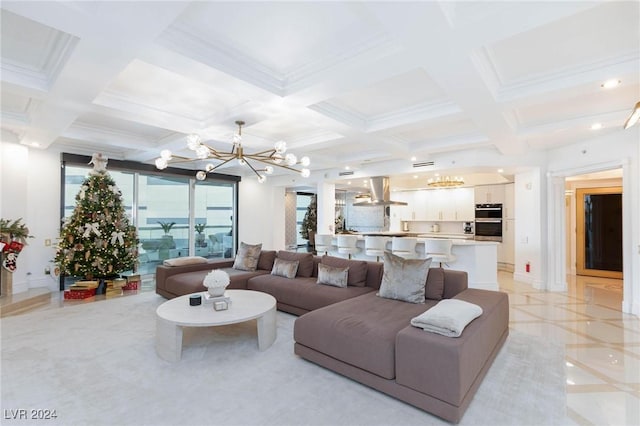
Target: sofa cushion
pixel 183 261
pixel 247 257
pixel 285 268
pixel 266 259
pixel 434 289
pixel 305 267
pixel 404 279
pixel 360 331
pixel 357 269
pixel 329 275
pixel 303 293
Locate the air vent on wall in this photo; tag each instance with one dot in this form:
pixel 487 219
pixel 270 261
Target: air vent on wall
pixel 349 173
pixel 423 164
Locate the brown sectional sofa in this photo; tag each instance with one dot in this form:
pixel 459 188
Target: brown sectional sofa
pixel 367 338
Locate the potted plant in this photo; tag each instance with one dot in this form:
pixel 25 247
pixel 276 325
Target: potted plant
pixel 199 227
pixel 310 222
pixel 166 241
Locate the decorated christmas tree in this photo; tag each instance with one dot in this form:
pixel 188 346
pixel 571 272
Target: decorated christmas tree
pixel 97 241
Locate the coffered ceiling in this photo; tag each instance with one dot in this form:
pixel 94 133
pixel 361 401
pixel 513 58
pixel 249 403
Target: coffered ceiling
pixel 355 84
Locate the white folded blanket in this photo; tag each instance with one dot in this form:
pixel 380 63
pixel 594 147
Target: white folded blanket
pixel 449 317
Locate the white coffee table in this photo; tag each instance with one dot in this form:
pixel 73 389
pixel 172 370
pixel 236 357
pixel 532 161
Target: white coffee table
pixel 246 305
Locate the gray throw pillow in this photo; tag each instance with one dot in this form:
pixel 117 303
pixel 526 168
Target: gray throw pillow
pixel 337 277
pixel 247 257
pixel 285 268
pixel 404 279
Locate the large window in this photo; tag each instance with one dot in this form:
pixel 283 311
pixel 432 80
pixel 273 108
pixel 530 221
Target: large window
pixel 175 215
pixel 302 204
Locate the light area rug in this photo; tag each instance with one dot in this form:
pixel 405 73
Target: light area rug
pixel 95 364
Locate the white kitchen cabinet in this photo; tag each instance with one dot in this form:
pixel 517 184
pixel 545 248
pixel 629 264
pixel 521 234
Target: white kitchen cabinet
pixel 465 205
pixel 506 250
pixel 421 205
pixel 489 194
pixel 449 205
pixel 508 207
pixel 402 213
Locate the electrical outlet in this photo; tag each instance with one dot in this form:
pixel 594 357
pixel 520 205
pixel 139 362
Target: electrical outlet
pixel 47 242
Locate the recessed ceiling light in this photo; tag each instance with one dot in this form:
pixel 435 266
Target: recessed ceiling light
pixel 35 144
pixel 436 174
pixel 500 170
pixel 415 176
pixel 610 84
pixel 347 168
pixel 349 183
pixel 596 126
pixel 413 158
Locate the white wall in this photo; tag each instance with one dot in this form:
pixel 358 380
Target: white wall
pixel 262 214
pixel 528 244
pixel 30 189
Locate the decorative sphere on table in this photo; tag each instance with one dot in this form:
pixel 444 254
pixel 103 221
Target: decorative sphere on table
pixel 216 282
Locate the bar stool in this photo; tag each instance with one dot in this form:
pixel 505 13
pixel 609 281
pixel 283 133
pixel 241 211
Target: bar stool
pixel 347 245
pixel 324 243
pixel 375 246
pixel 404 247
pixel 439 250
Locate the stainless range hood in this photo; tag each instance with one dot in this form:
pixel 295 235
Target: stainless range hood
pixel 380 194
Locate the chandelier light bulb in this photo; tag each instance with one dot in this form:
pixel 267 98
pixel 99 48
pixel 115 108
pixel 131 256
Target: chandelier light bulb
pixel 305 173
pixel 209 167
pixel 241 161
pixel 261 178
pixel 165 154
pixel 268 170
pixel 201 175
pixel 290 159
pixel 281 147
pixel 161 163
pixel 193 141
pixel 277 159
pixel 202 152
pixel 237 139
pixel 305 161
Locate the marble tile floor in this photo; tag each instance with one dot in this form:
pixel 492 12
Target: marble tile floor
pixel 602 345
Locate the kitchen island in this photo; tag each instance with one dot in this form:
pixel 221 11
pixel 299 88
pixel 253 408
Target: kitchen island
pixel 478 258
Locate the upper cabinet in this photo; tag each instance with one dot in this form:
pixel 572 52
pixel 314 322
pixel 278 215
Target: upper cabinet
pixel 508 207
pixel 443 205
pixel 490 194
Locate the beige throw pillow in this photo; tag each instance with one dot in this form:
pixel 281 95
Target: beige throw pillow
pixel 247 257
pixel 337 277
pixel 285 268
pixel 404 279
pixel 183 261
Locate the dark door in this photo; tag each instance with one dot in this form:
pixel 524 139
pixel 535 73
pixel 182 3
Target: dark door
pixel 599 236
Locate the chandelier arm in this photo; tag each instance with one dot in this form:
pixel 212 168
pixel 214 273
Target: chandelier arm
pixel 284 166
pixel 221 164
pixel 266 153
pixel 254 170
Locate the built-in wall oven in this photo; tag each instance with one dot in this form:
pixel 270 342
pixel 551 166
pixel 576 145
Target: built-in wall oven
pixel 488 225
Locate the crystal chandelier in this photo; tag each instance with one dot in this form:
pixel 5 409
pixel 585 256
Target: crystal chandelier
pixel 266 159
pixel 445 182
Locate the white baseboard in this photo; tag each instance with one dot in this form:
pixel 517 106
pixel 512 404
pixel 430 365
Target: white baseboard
pixel 44 282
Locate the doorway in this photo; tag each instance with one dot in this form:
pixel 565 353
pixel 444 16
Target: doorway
pixel 599 232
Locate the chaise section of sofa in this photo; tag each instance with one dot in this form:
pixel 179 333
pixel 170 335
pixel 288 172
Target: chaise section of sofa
pixel 369 339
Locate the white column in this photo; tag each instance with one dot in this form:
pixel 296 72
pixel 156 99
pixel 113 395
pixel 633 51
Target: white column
pixel 556 234
pixel 326 199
